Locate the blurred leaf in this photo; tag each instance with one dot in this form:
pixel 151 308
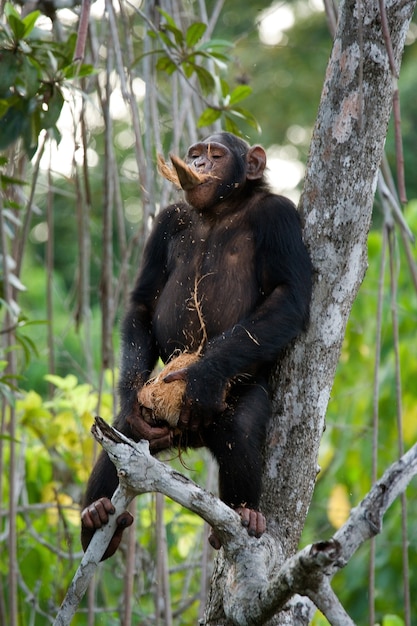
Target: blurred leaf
pixel 8 71
pixel 212 44
pixel 28 346
pixel 178 36
pixel 29 22
pixel 338 506
pixel 67 383
pixel 392 620
pixel 55 104
pixel 208 117
pixel 75 70
pixel 247 116
pixel 9 11
pixel 319 620
pixel 4 107
pixel 169 20
pixel 28 80
pixel 205 79
pixel 17 26
pixel 164 37
pixel 188 69
pixel 194 33
pixel 326 455
pixel 164 64
pixel 14 123
pixel 231 126
pixel 240 93
pixel 16 282
pixel 24 47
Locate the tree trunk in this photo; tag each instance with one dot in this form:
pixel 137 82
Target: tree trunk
pixel 336 207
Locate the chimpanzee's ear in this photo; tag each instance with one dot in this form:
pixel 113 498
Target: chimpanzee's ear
pixel 256 162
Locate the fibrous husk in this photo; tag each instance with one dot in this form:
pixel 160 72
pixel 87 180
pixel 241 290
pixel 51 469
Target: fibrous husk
pixel 164 400
pixel 182 175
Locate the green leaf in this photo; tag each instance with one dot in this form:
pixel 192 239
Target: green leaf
pixel 31 130
pixel 168 18
pixel 225 87
pixel 10 11
pixel 232 127
pixel 9 67
pixel 29 79
pixel 56 134
pixel 55 104
pixel 14 123
pixel 194 33
pixel 29 22
pixel 215 43
pixel 392 620
pixel 247 116
pixel 74 70
pixel 205 79
pixel 189 69
pixel 28 346
pixel 208 117
pixel 240 93
pixel 17 26
pixel 4 107
pixel 164 64
pixel 66 384
pixel 218 57
pixel 167 41
pixel 178 36
pixel 171 27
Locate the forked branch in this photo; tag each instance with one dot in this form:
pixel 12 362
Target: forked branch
pixel 258 587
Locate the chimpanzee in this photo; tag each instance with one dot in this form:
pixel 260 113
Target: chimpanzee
pixel 232 257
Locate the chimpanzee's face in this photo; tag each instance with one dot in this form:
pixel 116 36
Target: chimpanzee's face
pixel 213 157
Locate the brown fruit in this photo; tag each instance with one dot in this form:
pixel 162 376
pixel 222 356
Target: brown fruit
pixel 164 400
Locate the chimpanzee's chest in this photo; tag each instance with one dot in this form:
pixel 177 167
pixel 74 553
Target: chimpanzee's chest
pixel 211 283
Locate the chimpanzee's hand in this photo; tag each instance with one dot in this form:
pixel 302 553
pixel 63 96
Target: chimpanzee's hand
pixel 96 515
pixel 204 396
pixel 159 437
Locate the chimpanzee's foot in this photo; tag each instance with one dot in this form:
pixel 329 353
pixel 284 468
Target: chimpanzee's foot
pixel 253 521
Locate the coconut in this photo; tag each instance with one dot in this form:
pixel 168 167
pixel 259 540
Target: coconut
pixel 162 400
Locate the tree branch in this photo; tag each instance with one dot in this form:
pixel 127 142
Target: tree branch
pixel 92 557
pixel 256 587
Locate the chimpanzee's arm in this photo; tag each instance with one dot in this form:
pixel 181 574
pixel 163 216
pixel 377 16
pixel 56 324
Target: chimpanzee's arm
pixel 138 357
pixel 283 270
pixel 139 351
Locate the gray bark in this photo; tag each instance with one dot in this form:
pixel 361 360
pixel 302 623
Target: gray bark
pixel 336 207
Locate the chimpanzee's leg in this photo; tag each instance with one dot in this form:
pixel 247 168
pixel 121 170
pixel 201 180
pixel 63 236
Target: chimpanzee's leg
pixel 236 440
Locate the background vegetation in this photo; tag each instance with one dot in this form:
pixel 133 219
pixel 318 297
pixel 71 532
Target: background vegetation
pixel 79 187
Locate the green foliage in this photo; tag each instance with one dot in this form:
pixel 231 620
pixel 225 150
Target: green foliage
pixel 392 620
pixel 185 52
pixel 58 453
pixel 33 71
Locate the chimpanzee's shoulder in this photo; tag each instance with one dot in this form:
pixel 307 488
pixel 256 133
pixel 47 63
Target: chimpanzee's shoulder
pixel 273 207
pixel 174 217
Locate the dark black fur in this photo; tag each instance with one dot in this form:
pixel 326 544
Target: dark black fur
pixel 254 286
